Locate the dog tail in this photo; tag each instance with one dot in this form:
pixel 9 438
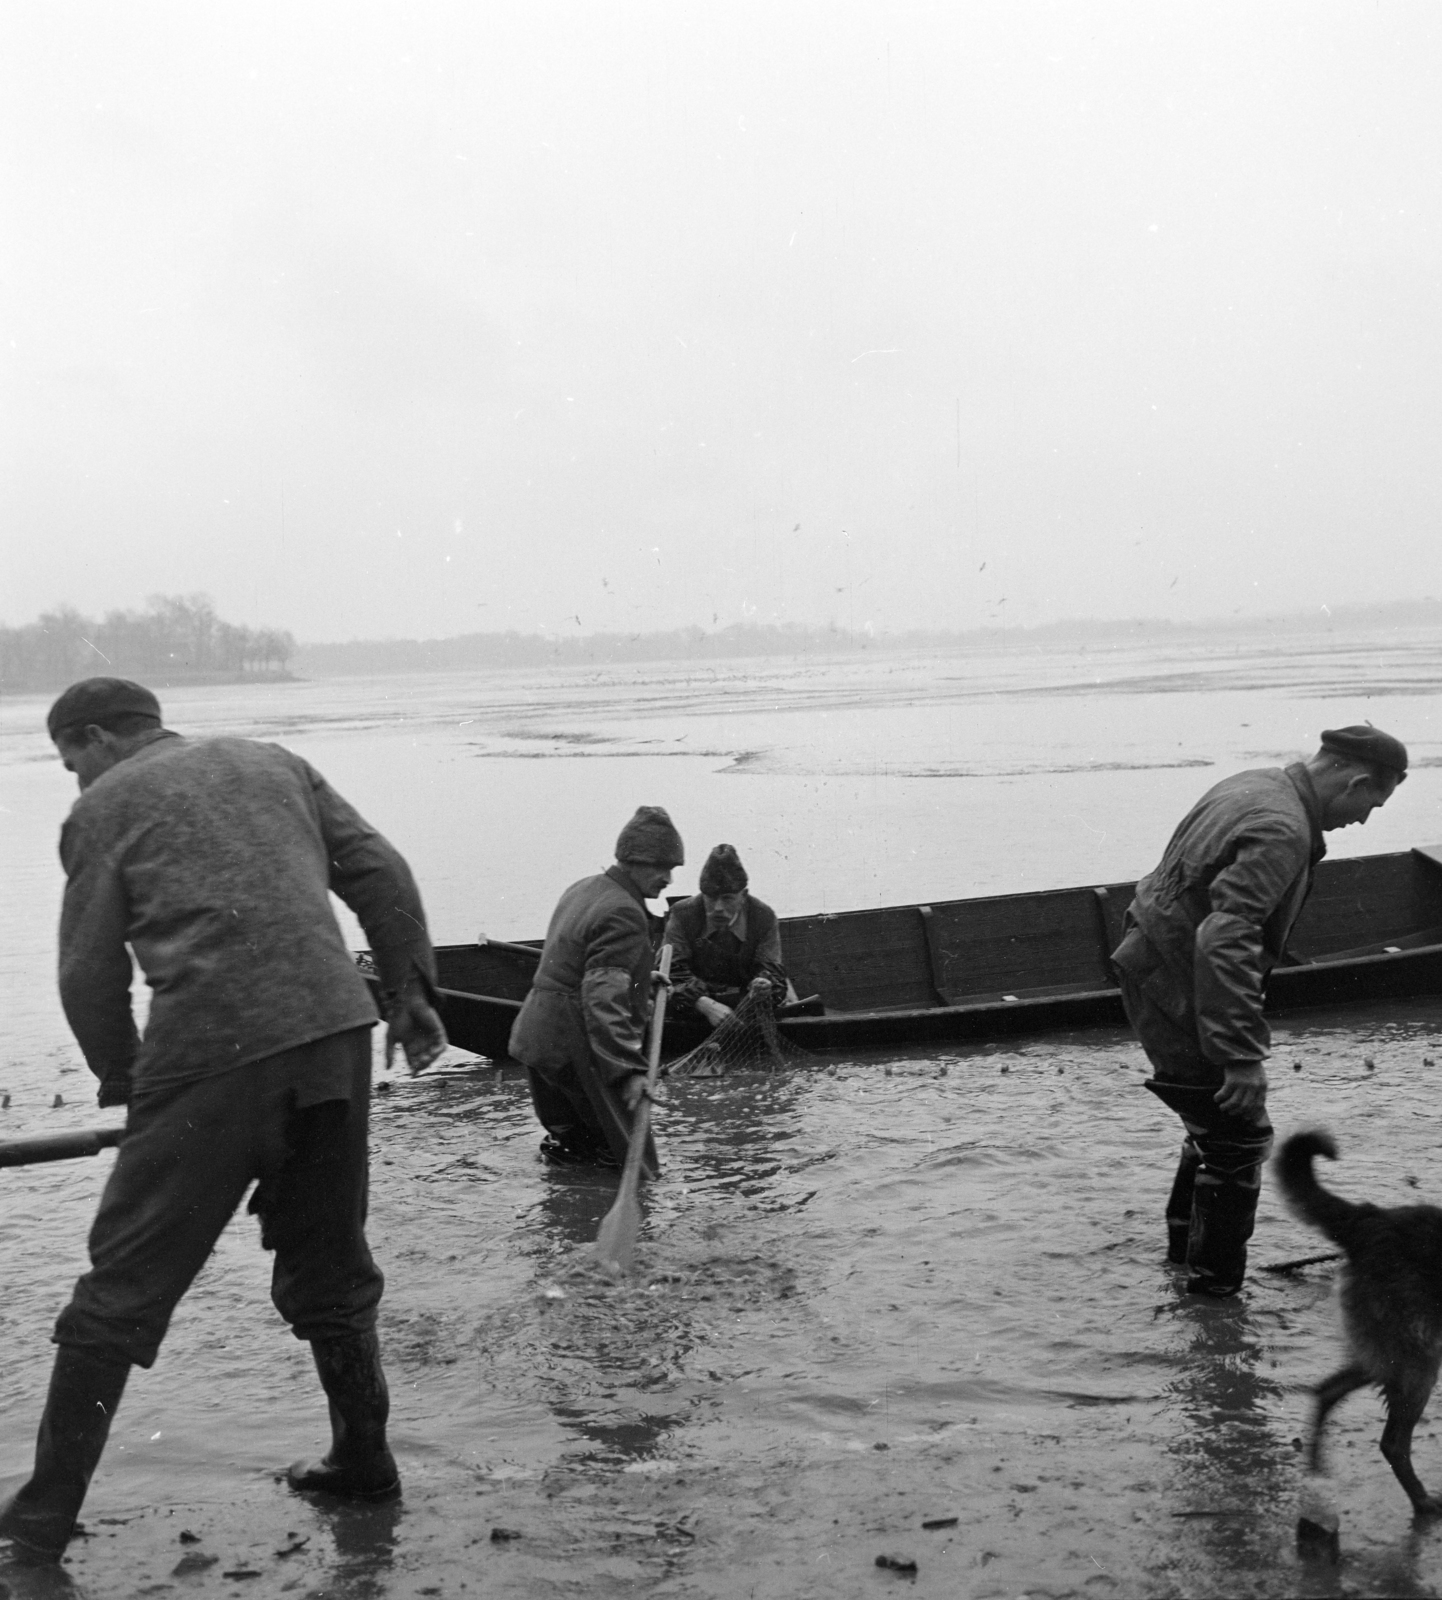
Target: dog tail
pixel 1304 1194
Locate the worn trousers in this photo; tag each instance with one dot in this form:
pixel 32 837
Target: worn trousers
pixel 296 1125
pixel 1212 1207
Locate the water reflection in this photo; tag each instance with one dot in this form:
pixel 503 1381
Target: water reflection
pixel 1235 1475
pixel 21 1581
pixel 615 1360
pixel 365 1546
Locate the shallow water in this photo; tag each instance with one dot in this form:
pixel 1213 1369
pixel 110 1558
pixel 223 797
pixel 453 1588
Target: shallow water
pixel 873 1291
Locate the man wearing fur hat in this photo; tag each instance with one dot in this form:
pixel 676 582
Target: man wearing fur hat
pixel 724 942
pixel 581 1031
pixel 1202 933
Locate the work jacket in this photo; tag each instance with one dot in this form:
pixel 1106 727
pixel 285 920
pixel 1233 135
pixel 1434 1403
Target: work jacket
pixel 707 962
pixel 589 1000
pixel 214 860
pixel 1211 921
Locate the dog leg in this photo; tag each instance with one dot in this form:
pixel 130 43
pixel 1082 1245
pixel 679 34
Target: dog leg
pixel 1404 1409
pixel 1327 1394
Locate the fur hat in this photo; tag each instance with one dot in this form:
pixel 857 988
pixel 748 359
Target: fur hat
pixel 723 872
pixel 651 836
pixel 1366 743
pixel 98 699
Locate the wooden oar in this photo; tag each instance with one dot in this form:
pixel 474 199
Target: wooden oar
pixel 616 1241
pixel 58 1146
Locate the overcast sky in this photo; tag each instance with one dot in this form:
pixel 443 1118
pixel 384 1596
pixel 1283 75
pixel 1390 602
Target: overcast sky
pixel 421 319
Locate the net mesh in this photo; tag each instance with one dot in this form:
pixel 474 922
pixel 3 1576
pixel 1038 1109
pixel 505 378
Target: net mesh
pixel 746 1041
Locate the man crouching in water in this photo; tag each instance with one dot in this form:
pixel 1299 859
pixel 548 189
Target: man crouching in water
pixel 725 942
pixel 214 859
pixel 580 1032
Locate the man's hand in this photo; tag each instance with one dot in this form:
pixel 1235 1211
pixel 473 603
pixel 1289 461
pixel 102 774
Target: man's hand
pixel 412 1024
pixel 1244 1090
pixel 713 1011
pixel 760 983
pixel 114 1088
pixel 633 1090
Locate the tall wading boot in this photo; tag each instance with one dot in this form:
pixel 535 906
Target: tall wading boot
pixel 85 1388
pixel 359 1465
pixel 1179 1203
pixel 1224 1211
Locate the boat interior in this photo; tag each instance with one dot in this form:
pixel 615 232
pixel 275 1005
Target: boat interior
pixel 1020 949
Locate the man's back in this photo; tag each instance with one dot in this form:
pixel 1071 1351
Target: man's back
pixel 214 859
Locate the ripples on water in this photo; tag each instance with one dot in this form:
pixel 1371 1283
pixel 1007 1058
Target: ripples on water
pixel 875 1291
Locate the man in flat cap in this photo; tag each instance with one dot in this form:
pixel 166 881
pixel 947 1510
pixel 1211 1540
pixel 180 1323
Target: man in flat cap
pixel 1202 933
pixel 581 1030
pixel 724 942
pixel 213 860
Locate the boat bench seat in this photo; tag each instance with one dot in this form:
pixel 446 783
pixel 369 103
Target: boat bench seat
pixel 1420 940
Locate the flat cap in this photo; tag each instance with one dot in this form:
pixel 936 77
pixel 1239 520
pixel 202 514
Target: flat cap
pixel 651 836
pixel 1366 743
pixel 96 699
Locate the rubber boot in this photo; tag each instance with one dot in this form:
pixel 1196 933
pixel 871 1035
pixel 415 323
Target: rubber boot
pixel 1224 1212
pixel 359 1466
pixel 85 1389
pixel 1179 1203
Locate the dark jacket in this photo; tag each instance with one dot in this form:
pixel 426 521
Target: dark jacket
pixel 710 963
pixel 213 859
pixel 592 990
pixel 1212 920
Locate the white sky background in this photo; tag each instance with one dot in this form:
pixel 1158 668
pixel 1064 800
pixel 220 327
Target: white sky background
pixel 421 319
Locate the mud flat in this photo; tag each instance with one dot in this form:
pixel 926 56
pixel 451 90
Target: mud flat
pixel 869 1300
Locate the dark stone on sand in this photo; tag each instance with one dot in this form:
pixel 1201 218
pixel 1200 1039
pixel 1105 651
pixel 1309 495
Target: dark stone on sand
pixel 193 1562
pixel 501 1535
pixel 187 1537
pixel 931 1524
pixel 879 1446
pixel 59 1101
pixel 383 1087
pixel 897 1563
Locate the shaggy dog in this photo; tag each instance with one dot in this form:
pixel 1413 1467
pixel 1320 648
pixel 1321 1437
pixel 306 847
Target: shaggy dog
pixel 1391 1304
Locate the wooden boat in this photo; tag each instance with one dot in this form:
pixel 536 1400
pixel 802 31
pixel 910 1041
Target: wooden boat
pixel 968 970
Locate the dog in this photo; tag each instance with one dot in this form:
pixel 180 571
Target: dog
pixel 1391 1295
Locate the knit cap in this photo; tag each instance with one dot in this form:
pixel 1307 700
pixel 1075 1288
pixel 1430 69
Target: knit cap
pixel 651 836
pixel 723 872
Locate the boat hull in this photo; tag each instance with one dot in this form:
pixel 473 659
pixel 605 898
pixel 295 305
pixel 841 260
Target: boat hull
pixel 994 967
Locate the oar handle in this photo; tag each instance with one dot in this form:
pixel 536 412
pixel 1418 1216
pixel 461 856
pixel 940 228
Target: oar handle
pixel 641 1120
pixel 532 952
pixel 57 1146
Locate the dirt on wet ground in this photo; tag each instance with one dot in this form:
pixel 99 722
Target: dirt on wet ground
pixel 908 1308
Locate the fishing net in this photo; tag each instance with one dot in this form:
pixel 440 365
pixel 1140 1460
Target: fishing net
pixel 746 1041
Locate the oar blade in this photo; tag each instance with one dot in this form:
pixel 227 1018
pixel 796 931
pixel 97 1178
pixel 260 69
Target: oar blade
pixel 620 1228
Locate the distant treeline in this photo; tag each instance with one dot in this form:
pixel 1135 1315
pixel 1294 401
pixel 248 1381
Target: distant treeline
pixel 175 639
pixel 479 650
pixel 471 650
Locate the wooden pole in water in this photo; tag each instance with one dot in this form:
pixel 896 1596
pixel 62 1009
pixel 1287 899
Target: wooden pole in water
pixel 616 1240
pixel 1301 1261
pixel 58 1146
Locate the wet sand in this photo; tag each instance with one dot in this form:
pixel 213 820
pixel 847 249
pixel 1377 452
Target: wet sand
pixel 866 1299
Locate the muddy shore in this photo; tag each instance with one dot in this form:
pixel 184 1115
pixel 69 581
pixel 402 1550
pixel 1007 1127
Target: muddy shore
pixel 872 1294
